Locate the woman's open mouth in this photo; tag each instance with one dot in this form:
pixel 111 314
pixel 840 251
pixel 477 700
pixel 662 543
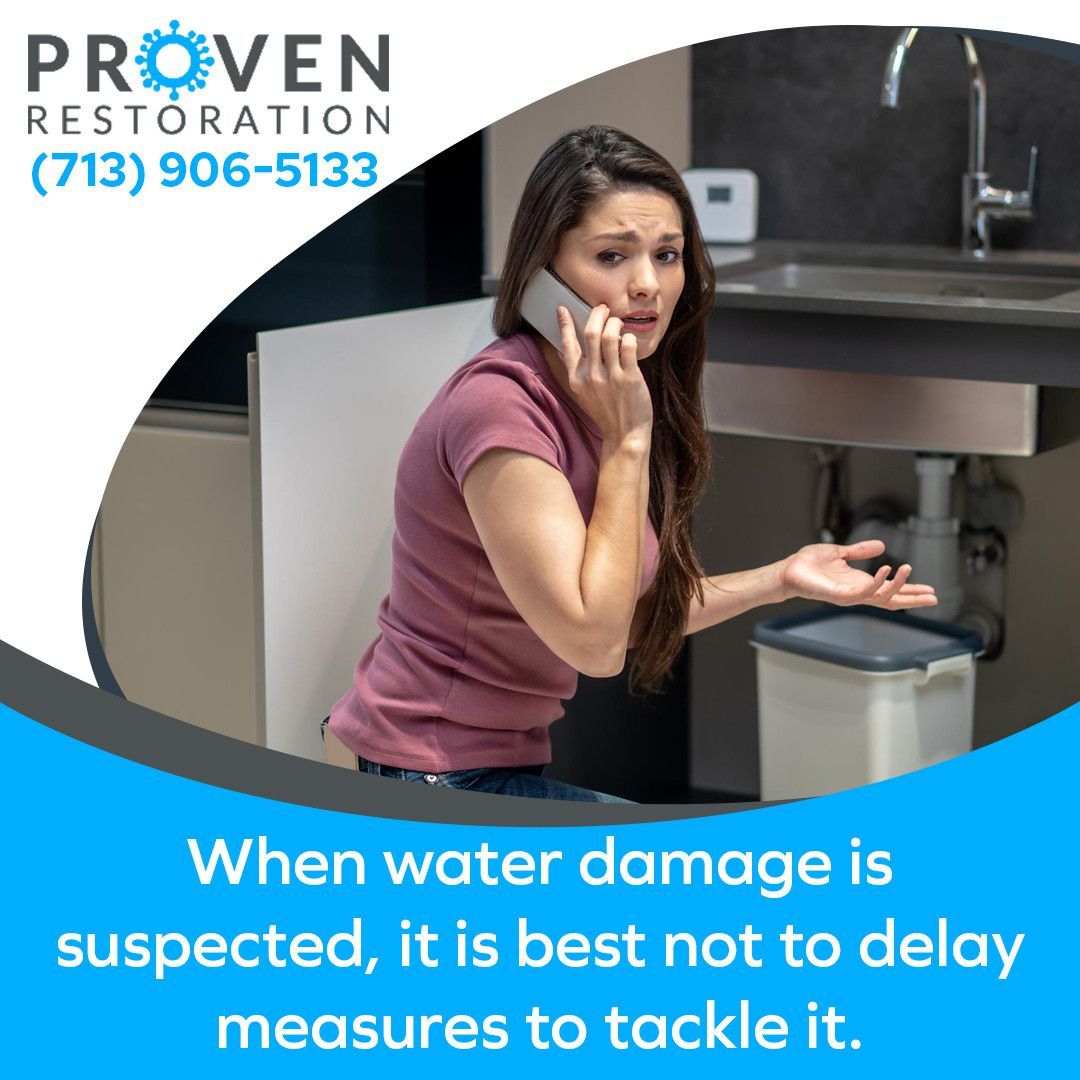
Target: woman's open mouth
pixel 640 322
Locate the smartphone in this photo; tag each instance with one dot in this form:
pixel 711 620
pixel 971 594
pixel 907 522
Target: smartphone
pixel 544 293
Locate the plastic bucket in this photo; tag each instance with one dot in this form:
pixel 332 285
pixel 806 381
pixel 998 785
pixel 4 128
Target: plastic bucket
pixel 849 696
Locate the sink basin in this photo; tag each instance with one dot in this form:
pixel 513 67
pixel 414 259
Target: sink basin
pixel 899 309
pixel 904 283
pixel 877 281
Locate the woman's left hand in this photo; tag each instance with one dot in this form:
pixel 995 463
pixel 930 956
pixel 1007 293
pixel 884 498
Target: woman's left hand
pixel 821 572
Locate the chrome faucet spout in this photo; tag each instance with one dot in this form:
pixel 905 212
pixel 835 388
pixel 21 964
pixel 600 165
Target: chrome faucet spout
pixel 976 107
pixel 979 201
pixel 890 91
pixel 894 67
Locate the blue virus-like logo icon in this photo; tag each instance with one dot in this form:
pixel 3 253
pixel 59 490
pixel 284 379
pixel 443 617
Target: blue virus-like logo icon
pixel 199 60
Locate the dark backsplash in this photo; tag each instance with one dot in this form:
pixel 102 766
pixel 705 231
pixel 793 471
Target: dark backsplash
pixel 801 108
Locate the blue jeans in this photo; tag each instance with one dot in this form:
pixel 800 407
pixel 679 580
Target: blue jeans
pixel 525 781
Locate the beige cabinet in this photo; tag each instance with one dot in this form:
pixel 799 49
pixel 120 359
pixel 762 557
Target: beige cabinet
pixel 174 588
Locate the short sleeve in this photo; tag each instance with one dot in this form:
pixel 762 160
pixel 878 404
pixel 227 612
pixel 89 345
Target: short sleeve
pixel 490 409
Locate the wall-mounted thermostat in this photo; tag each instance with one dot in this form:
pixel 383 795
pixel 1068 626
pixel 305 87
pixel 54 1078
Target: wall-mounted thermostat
pixel 726 203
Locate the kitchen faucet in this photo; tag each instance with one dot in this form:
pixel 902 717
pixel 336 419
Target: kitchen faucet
pixel 979 200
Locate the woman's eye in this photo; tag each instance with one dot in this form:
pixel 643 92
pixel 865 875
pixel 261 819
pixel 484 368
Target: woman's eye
pixel 610 257
pixel 669 256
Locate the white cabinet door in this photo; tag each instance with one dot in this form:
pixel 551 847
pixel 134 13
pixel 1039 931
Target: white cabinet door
pixel 331 406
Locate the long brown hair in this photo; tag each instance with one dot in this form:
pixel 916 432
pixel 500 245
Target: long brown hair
pixel 576 170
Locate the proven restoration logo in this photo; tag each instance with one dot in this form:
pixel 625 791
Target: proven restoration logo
pixel 177 61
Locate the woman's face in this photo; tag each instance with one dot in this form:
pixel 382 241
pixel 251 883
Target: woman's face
pixel 627 253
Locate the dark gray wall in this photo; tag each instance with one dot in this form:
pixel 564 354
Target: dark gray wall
pixel 801 108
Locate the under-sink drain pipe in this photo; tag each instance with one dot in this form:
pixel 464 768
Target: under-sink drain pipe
pixel 934 536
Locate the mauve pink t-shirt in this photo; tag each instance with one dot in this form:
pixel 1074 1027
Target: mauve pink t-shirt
pixel 457 679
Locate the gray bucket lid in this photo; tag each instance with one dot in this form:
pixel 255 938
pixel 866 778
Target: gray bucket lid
pixel 867 639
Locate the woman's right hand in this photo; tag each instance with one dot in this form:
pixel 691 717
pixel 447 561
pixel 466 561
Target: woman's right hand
pixel 605 377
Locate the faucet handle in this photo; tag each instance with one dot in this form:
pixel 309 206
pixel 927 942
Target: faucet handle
pixel 1033 171
pixel 1004 203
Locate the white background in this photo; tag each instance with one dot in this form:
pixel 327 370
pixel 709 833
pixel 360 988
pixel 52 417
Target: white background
pixel 104 291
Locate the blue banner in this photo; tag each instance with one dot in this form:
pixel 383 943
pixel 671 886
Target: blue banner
pixel 157 923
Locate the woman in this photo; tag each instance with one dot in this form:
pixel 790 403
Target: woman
pixel 543 501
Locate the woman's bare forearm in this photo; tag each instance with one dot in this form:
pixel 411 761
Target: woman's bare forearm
pixel 614 550
pixel 728 595
pixel 819 572
pixel 725 596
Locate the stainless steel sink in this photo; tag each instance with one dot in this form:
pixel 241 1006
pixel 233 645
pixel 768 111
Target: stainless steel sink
pixel 897 346
pixel 953 416
pixel 904 282
pixel 877 281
